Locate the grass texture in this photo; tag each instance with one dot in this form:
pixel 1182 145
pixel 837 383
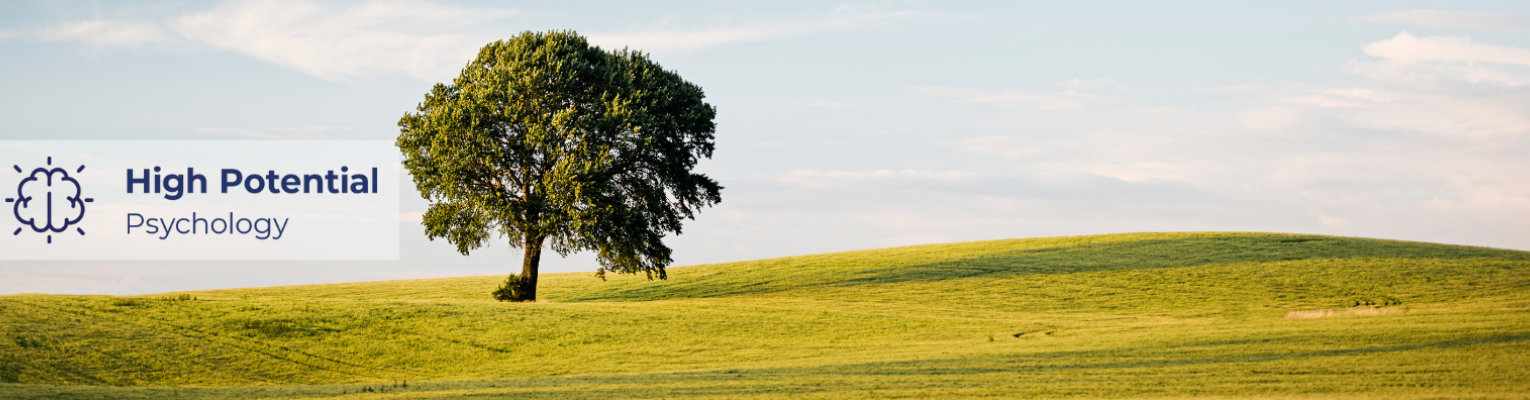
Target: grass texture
pixel 1152 315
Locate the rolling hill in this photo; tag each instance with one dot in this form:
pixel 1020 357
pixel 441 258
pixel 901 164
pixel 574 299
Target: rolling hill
pixel 1247 315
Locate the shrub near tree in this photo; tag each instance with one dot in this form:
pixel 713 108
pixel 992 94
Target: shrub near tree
pixel 554 143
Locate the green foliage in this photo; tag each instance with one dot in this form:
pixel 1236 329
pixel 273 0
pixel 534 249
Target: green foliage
pixel 545 139
pixel 1109 316
pixel 514 289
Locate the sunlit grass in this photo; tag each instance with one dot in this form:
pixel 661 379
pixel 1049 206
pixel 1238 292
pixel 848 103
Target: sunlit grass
pixel 1133 315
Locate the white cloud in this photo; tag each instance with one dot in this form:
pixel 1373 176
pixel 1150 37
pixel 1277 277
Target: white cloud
pixel 1270 118
pixel 1448 115
pixel 1423 73
pixel 845 179
pixel 1425 141
pixel 1475 116
pixel 1067 186
pixel 107 33
pixel 1453 19
pixel 423 40
pixel 1451 87
pixel 420 40
pixel 1333 222
pixel 1436 85
pixel 843 18
pixel 1443 106
pixel 1407 48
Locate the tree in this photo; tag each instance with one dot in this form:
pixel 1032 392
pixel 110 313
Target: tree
pixel 550 141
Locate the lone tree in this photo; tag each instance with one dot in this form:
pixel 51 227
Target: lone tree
pixel 550 141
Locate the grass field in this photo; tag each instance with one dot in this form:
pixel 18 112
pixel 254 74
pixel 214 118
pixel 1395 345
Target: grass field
pixel 1107 316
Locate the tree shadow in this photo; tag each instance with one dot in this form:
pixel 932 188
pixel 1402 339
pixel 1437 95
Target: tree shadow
pixel 1168 253
pixel 805 273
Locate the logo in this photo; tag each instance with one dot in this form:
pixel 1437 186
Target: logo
pixel 200 200
pixel 48 201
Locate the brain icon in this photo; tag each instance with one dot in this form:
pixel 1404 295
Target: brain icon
pixel 48 200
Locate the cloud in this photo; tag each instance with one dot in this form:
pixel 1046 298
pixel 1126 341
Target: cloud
pixel 1447 108
pixel 1450 87
pixel 1505 22
pixel 108 33
pixel 1439 60
pixel 1070 186
pixel 1444 107
pixel 1423 73
pixel 1333 222
pixel 1444 85
pixel 1079 84
pixel 1423 141
pixel 415 39
pixel 1466 116
pixel 843 18
pixel 845 179
pixel 422 40
pixel 1407 48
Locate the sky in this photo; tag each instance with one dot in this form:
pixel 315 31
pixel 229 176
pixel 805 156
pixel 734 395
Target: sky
pixel 854 125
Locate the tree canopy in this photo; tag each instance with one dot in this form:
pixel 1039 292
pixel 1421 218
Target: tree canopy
pixel 547 140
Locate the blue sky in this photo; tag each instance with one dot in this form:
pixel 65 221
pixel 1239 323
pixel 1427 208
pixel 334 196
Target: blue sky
pixel 857 125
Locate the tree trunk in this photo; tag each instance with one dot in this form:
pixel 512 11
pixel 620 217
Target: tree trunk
pixel 529 265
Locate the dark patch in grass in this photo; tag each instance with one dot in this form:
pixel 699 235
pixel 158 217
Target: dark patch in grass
pixel 1369 302
pixel 127 302
pixel 29 342
pixel 179 298
pixel 1170 253
pixel 283 327
pixel 270 327
pixel 1078 257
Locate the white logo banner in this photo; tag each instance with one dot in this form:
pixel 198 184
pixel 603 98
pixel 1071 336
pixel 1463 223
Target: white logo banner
pixel 199 200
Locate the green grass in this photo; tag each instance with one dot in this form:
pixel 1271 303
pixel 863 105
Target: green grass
pixel 1107 316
